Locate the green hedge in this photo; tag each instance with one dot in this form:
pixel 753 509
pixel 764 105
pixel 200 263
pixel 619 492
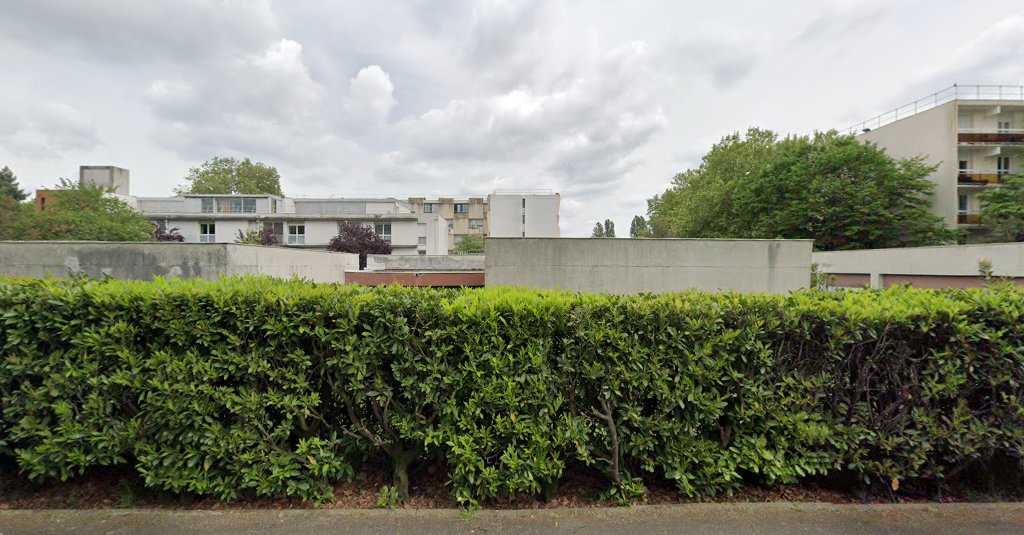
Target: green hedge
pixel 255 386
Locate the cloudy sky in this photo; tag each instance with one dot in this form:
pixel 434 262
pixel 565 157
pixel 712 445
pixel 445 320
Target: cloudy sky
pixel 602 101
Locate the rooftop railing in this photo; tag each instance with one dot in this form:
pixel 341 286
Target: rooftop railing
pixel 955 92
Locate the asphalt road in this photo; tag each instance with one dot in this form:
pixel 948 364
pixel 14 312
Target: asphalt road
pixel 767 519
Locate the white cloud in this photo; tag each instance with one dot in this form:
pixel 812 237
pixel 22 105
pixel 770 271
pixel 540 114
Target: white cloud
pixel 49 131
pixel 601 101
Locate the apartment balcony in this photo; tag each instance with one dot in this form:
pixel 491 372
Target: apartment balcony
pixel 968 219
pixel 971 177
pixel 975 136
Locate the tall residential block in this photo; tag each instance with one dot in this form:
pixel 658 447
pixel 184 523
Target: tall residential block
pixel 975 134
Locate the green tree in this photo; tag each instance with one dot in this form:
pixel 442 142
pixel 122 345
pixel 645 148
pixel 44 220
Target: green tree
pixel 9 185
pixel 604 230
pixel 639 228
pixel 84 212
pixel 839 192
pixel 1002 209
pixel 229 175
pixel 470 244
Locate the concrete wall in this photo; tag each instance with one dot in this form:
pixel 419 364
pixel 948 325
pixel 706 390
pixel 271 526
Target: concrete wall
pixel 424 263
pixel 648 265
pixel 931 134
pixel 929 267
pixel 144 261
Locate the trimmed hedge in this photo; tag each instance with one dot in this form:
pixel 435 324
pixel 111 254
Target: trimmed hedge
pixel 254 386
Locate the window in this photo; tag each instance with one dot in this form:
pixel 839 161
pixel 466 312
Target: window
pixel 422 228
pixel 422 252
pixel 1004 126
pixel 476 223
pixel 236 205
pixel 429 208
pixel 383 230
pixel 207 206
pixel 273 206
pixel 461 208
pixel 296 234
pixel 524 203
pixel 276 226
pixel 962 204
pixel 963 165
pixel 1003 165
pixel 207 232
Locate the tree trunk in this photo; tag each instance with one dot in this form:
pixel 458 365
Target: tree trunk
pixel 401 461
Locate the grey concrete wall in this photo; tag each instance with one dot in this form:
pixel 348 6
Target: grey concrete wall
pixel 1007 260
pixel 648 265
pixel 144 261
pixel 425 263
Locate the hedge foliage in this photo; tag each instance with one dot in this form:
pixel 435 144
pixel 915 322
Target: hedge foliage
pixel 255 386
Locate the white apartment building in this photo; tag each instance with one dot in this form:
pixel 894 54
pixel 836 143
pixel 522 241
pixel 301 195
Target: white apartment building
pixel 298 222
pixel 503 213
pixel 975 134
pixel 419 226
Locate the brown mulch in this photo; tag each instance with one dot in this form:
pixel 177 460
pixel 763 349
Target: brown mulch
pixel 580 487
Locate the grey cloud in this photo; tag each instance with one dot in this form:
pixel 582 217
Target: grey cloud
pixel 49 131
pixel 140 30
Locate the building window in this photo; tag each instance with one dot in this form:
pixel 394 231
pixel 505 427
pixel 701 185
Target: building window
pixel 1004 126
pixel 207 232
pixel 1003 165
pixel 237 206
pixel 383 230
pixel 476 223
pixel 296 234
pixel 461 208
pixel 273 206
pixel 428 208
pixel 962 204
pixel 276 226
pixel 422 252
pixel 206 205
pixel 422 228
pixel 963 165
pixel 524 203
pixel 450 225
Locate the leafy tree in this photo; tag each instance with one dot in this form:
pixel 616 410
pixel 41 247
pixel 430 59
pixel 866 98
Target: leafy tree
pixel 264 236
pixel 1002 209
pixel 9 185
pixel 355 238
pixel 604 230
pixel 229 175
pixel 639 228
pixel 11 213
pixel 470 244
pixel 84 212
pixel 839 192
pixel 167 235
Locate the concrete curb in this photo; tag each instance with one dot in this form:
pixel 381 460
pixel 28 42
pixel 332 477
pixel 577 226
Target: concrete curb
pixel 767 518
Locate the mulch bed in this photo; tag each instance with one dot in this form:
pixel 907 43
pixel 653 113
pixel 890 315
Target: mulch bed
pixel 581 487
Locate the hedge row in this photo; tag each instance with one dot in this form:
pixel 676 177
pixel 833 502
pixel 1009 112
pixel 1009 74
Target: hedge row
pixel 254 386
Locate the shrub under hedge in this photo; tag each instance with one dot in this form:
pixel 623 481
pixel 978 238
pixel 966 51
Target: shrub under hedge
pixel 256 386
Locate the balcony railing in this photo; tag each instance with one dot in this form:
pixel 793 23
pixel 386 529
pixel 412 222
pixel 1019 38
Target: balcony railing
pixel 980 178
pixel 956 92
pixel 998 137
pixel 968 219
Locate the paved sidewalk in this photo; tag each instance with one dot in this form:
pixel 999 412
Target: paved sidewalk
pixel 767 519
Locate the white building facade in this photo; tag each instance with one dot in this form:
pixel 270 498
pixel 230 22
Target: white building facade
pixel 298 222
pixel 974 134
pixel 524 214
